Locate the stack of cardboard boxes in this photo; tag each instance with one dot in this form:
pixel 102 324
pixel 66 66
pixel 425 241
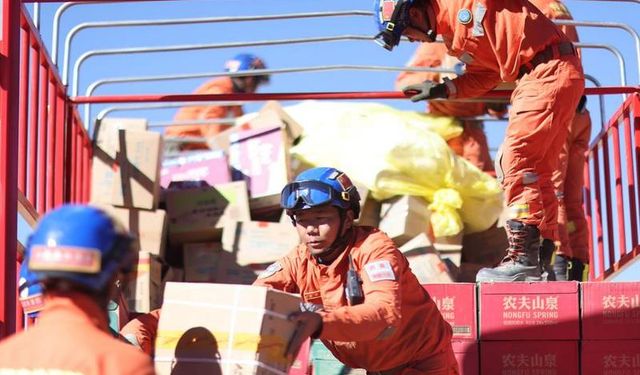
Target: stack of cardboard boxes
pixel 125 182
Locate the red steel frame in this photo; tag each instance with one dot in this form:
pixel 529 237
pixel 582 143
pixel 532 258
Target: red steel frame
pixel 45 150
pixel 609 212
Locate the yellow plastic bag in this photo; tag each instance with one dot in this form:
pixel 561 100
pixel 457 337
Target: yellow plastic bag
pixel 394 154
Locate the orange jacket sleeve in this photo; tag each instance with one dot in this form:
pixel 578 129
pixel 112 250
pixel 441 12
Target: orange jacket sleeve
pixel 475 82
pixel 280 275
pixel 142 331
pixel 380 313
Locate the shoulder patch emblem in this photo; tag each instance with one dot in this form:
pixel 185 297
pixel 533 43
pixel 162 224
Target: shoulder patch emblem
pixel 464 16
pixel 270 271
pixel 379 270
pixel 480 11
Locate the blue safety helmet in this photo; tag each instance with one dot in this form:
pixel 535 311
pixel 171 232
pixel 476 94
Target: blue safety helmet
pixel 81 244
pixel 320 186
pixel 29 292
pixel 391 17
pixel 246 61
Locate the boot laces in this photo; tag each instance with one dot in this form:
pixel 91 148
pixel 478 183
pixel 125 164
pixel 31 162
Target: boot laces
pixel 517 240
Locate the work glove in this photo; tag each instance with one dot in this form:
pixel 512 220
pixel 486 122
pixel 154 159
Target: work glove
pixel 426 90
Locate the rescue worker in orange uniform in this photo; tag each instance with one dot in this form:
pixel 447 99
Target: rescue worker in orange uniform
pixel 359 294
pixel 222 85
pixel 472 143
pixel 75 254
pixel 573 250
pixel 142 330
pixel 504 41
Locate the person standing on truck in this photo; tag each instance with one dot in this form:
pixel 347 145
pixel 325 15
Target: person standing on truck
pixel 572 254
pixel 358 293
pixel 75 253
pixel 504 41
pixel 222 85
pixel 472 143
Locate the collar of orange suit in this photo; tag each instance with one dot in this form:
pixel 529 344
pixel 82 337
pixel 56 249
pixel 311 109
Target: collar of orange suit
pixel 74 306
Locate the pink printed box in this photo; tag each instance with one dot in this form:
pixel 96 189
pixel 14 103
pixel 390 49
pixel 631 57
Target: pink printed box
pixel 611 310
pixel 260 157
pixel 529 357
pixel 467 356
pixel 457 304
pixel 209 166
pixel 529 311
pixel 610 357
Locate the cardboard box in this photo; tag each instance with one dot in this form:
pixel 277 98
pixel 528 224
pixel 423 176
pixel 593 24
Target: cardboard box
pixel 130 177
pixel 529 357
pixel 107 129
pixel 198 215
pixel 201 261
pixel 369 208
pixel 610 357
pixel 611 310
pixel 301 365
pixel 207 262
pixel 457 304
pixel 271 114
pixel 425 261
pixel 404 217
pixel 261 158
pixel 144 292
pixel 209 166
pixel 468 357
pixel 224 329
pixel 529 311
pixel 259 242
pixel 149 227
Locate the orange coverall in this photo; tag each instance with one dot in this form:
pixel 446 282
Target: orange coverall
pixel 500 38
pixel 71 337
pixel 568 179
pixel 398 323
pixel 142 330
pixel 223 85
pixel 472 143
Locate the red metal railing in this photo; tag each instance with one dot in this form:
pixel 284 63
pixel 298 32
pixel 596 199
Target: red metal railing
pixel 611 196
pixel 45 150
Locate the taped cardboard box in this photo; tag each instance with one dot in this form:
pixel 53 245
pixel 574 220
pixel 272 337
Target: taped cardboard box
pixel 144 291
pixel 209 166
pixel 259 242
pixel 198 215
pixel 369 207
pixel 107 129
pixel 128 173
pixel 224 329
pixel 206 262
pixel 425 262
pixel 271 114
pixel 149 227
pixel 404 217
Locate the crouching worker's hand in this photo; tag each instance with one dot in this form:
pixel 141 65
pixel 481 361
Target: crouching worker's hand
pixel 308 324
pixel 426 90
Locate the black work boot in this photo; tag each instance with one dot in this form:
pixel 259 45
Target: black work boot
pixel 546 255
pixel 576 271
pixel 561 267
pixel 521 262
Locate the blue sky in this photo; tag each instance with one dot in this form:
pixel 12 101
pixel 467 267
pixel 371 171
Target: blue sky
pixel 601 64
